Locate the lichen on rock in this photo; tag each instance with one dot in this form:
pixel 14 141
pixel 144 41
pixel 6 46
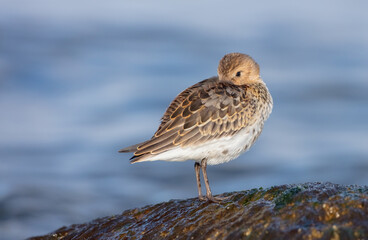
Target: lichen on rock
pixel 303 211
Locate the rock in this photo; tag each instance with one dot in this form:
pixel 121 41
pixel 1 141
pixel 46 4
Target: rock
pixel 305 211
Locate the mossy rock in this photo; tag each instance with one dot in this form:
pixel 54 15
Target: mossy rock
pixel 304 211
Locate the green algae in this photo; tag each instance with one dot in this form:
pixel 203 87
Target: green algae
pixel 287 197
pixel 253 195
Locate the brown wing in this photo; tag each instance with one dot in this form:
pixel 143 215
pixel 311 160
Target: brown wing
pixel 205 111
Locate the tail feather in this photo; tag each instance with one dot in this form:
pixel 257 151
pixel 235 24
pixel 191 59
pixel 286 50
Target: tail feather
pixel 132 148
pixel 139 158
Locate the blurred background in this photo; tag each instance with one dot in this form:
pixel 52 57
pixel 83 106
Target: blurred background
pixel 79 80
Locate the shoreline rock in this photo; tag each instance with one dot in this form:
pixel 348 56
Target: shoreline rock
pixel 296 211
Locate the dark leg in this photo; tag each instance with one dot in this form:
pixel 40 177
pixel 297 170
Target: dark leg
pixel 197 168
pixel 207 183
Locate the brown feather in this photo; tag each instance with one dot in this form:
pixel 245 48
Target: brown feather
pixel 156 140
pixel 176 123
pixel 205 115
pixel 195 105
pixel 163 148
pixel 191 121
pixel 193 139
pixel 158 145
pixel 185 135
pixel 186 112
pixel 176 113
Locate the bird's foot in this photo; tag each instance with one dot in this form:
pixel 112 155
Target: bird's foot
pixel 202 198
pixel 217 199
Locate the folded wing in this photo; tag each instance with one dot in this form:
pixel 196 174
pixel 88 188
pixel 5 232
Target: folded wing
pixel 203 112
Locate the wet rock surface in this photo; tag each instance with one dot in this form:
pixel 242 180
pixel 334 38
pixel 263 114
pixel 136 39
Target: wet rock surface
pixel 303 211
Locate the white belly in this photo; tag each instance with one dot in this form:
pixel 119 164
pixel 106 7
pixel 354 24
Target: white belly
pixel 216 151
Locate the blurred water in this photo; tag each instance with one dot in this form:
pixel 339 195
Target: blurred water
pixel 79 80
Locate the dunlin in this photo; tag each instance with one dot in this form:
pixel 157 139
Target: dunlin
pixel 213 121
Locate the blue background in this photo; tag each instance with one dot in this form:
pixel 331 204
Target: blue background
pixel 80 79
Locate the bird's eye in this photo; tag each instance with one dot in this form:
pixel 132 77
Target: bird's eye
pixel 238 74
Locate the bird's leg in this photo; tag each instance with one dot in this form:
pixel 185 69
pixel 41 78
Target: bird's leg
pixel 197 168
pixel 207 183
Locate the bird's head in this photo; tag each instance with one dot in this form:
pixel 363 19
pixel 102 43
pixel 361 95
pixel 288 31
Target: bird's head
pixel 239 69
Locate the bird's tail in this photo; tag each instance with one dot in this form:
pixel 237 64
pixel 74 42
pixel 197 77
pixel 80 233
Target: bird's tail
pixel 133 148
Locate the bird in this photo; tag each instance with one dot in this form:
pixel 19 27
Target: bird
pixel 211 122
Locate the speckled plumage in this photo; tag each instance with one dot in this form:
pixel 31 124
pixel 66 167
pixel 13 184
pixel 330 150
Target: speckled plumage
pixel 214 120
